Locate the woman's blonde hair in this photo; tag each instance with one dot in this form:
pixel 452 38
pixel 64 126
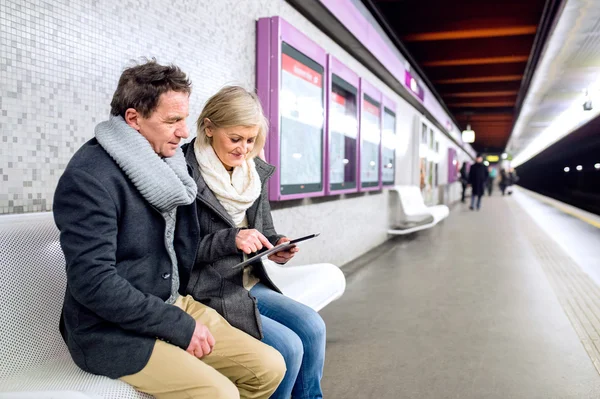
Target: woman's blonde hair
pixel 234 106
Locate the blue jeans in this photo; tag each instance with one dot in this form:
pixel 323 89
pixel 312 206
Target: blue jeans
pixel 478 201
pixel 298 333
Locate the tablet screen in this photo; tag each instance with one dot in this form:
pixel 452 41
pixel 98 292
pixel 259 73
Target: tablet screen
pixel 275 249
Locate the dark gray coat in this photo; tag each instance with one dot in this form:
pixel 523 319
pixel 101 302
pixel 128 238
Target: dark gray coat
pixel 215 281
pixel 118 268
pixel 478 175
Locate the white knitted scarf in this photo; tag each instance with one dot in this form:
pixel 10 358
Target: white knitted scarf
pixel 236 192
pixel 163 182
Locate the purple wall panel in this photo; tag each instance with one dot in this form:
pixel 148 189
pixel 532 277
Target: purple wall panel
pixel 341 70
pixel 270 33
pixel 388 103
pixel 391 105
pixel 356 23
pixel 452 165
pixel 371 91
pixel 417 90
pixel 263 52
pixel 334 66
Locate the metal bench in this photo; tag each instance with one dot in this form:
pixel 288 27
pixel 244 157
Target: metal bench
pixel 34 361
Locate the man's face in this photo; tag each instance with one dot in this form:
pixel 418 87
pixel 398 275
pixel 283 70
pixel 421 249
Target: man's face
pixel 479 159
pixel 165 127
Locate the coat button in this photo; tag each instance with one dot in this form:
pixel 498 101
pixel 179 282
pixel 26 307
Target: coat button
pixel 166 275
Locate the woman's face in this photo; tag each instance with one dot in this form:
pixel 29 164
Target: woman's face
pixel 232 144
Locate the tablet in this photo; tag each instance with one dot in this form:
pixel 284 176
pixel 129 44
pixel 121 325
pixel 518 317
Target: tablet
pixel 277 248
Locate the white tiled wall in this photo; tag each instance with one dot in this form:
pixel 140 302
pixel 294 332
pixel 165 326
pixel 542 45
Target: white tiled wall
pixel 59 65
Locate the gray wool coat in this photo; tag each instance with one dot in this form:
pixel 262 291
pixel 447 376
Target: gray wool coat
pixel 215 280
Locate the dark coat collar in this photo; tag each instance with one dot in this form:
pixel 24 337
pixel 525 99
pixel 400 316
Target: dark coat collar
pixel 206 196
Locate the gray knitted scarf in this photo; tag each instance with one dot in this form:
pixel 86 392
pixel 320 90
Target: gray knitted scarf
pixel 163 182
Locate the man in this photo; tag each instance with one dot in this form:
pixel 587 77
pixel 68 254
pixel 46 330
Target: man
pixel 478 175
pixel 129 232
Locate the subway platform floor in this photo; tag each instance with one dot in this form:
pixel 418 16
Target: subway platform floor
pixel 500 303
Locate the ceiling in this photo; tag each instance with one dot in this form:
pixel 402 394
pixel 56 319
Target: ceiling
pixel 568 69
pixel 475 54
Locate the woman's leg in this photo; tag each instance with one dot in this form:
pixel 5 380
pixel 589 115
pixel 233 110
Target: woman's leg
pixel 308 326
pixel 286 342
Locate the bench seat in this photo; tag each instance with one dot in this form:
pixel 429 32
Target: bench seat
pixel 34 361
pixel 414 214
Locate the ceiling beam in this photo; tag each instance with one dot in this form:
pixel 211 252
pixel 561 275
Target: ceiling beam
pixel 505 78
pixel 476 71
pixel 477 61
pixel 485 117
pixel 469 94
pixel 477 87
pixel 473 48
pixel 414 16
pixel 479 104
pixel 471 33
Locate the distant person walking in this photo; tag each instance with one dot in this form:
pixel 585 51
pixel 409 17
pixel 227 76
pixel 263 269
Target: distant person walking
pixel 478 176
pixel 493 173
pixel 512 179
pixel 504 181
pixel 464 179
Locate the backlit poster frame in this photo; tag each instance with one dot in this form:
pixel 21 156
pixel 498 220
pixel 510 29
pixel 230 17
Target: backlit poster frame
pixel 271 34
pixel 390 105
pixel 453 165
pixel 335 67
pixel 369 91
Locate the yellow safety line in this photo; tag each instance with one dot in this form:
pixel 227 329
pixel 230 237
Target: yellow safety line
pixel 567 211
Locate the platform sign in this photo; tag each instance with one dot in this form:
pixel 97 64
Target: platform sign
pixel 370 142
pixel 301 128
pixel 343 134
pixel 388 152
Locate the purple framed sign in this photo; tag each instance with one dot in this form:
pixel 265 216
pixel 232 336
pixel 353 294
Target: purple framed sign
pixel 389 141
pixel 290 77
pixel 414 86
pixel 369 155
pixel 341 129
pixel 453 166
pixel 347 13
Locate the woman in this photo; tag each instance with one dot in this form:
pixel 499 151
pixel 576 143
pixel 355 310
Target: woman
pixel 235 221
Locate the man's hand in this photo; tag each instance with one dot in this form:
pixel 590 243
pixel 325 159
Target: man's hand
pixel 202 342
pixel 251 240
pixel 284 256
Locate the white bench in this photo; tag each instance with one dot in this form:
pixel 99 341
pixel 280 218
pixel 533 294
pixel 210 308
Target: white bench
pixel 34 361
pixel 414 214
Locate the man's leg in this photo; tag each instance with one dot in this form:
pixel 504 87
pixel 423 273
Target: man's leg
pixel 479 201
pixel 238 367
pixel 172 373
pixel 472 201
pixel 255 368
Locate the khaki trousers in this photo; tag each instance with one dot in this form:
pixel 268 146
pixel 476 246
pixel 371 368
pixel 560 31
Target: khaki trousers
pixel 239 366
